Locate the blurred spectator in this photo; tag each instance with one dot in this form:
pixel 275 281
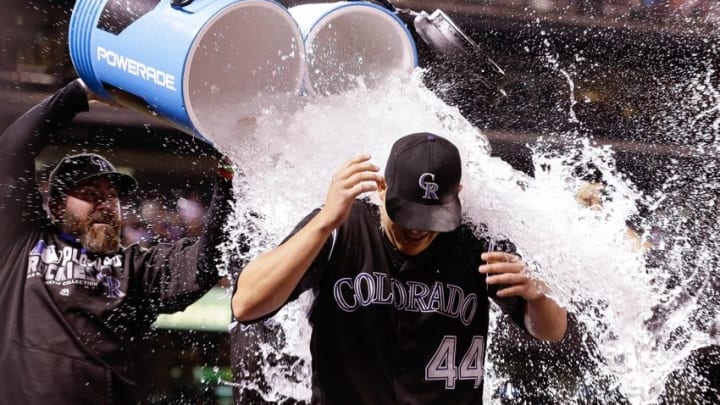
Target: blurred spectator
pixel 594 192
pixel 135 231
pixel 164 218
pixel 590 195
pixel 192 213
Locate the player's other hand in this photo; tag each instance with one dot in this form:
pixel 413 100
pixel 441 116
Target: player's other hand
pixel 94 98
pixel 225 168
pixel 510 274
pixel 88 93
pixel 358 175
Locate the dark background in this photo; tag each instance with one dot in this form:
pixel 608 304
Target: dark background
pixel 629 61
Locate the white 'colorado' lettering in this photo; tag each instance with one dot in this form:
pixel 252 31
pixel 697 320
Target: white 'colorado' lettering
pixel 135 68
pixel 412 296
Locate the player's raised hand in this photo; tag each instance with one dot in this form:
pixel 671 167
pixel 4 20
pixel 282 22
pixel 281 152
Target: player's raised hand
pixel 91 96
pixel 510 274
pixel 358 175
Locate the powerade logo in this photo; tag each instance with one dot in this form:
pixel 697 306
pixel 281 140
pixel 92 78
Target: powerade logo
pixel 137 69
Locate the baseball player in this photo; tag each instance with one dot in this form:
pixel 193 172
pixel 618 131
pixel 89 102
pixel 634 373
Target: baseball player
pixel 75 302
pixel 401 289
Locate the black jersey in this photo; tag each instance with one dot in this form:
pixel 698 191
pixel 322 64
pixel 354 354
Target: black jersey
pixel 393 329
pixel 70 319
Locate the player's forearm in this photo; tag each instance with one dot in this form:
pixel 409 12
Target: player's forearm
pixel 266 283
pixel 29 134
pixel 545 319
pixel 214 231
pixel 23 140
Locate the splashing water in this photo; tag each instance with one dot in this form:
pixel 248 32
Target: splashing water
pixel 645 311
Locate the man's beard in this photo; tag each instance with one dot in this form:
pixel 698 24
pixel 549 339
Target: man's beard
pixel 98 233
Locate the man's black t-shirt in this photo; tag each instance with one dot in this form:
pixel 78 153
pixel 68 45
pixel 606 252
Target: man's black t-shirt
pixel 392 329
pixel 70 319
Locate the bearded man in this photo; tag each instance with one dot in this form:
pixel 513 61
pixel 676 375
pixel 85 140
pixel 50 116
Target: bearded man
pixel 74 302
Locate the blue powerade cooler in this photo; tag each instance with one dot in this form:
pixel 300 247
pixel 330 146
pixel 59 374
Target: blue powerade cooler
pixel 202 65
pixel 347 41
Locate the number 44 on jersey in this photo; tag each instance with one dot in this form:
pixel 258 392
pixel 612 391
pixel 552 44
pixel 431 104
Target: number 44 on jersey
pixel 442 364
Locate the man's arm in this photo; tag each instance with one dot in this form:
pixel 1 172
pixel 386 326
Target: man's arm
pixel 267 282
pixel 23 140
pixel 543 317
pixel 174 275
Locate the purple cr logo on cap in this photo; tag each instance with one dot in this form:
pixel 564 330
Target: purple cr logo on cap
pixel 430 187
pixel 423 180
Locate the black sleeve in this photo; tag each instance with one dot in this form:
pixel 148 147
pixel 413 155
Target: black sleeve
pixel 174 275
pixel 22 141
pixel 310 279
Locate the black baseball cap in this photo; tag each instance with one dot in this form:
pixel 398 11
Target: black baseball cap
pixel 423 177
pixel 78 168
